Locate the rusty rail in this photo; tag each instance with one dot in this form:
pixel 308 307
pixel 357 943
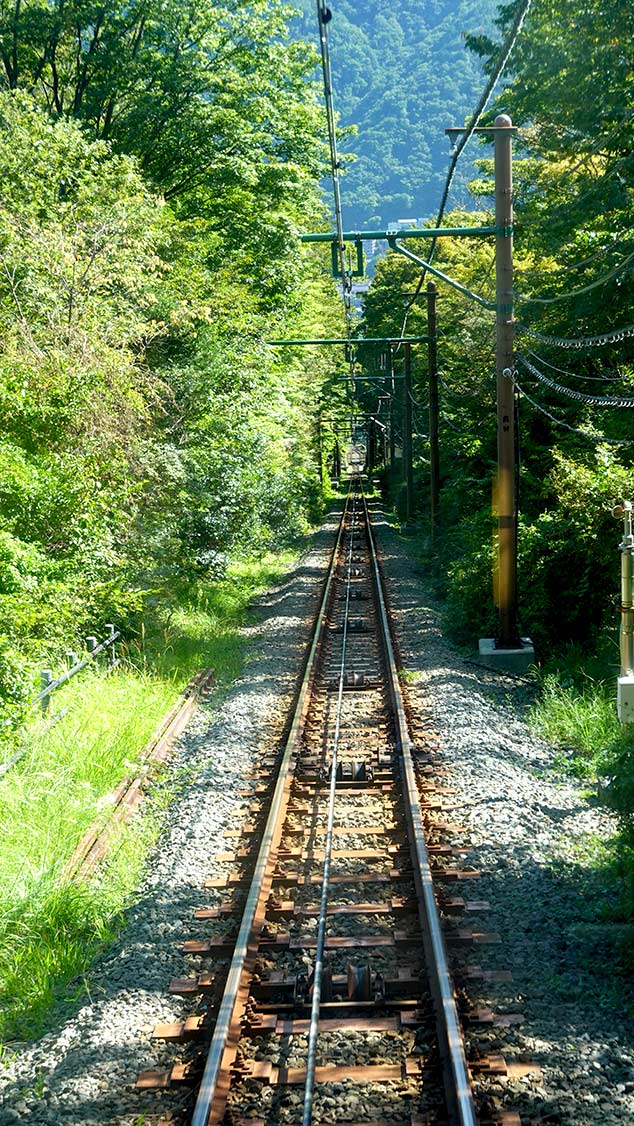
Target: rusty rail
pixel 456 1074
pixel 214 1087
pixel 129 793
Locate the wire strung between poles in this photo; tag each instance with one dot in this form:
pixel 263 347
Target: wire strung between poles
pixel 575 374
pixel 590 435
pixel 324 16
pixel 503 58
pixel 619 401
pixel 621 268
pixel 614 336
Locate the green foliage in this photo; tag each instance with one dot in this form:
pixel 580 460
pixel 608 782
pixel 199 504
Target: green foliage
pixel 578 715
pixel 211 96
pixel 149 434
pixel 568 552
pixel 576 712
pixel 46 940
pixel 468 585
pixel 52 928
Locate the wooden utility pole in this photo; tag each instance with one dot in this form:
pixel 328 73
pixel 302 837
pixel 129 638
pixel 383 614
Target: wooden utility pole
pixel 392 434
pixel 434 446
pixel 508 637
pixel 408 467
pixel 371 447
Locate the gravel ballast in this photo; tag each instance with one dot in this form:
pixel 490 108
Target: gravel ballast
pixel 531 836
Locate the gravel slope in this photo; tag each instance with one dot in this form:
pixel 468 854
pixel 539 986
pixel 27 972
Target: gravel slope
pixel 530 834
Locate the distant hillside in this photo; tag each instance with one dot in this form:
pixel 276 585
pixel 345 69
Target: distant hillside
pixel 401 73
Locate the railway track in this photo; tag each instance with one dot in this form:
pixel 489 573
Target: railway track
pixel 337 1003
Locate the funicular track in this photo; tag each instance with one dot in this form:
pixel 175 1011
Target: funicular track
pixel 338 993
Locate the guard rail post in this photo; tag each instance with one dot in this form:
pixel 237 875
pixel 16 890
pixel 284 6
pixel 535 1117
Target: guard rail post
pixel 625 688
pixel 112 648
pixel 46 678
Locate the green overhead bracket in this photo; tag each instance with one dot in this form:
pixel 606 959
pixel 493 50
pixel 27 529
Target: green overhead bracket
pixel 358 238
pixel 357 341
pixel 408 233
pixel 336 251
pixel 394 245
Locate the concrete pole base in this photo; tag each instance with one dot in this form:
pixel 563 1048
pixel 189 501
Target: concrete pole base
pixel 516 661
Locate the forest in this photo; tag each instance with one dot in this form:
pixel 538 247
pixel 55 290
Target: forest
pixel 156 163
pixel 568 84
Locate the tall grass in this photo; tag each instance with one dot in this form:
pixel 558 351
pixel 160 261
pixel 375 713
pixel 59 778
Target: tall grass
pixel 576 710
pixel 50 927
pixel 580 720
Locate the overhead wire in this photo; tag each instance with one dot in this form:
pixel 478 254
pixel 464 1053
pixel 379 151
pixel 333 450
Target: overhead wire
pixel 565 205
pixel 502 60
pixel 589 434
pixel 619 401
pixel 324 16
pixel 614 336
pixel 574 374
pixel 567 267
pixel 577 292
pixel 463 393
pixel 450 423
pixel 601 141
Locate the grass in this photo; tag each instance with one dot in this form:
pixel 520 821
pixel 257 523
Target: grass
pixel 579 719
pixel 576 706
pixel 576 711
pixel 51 928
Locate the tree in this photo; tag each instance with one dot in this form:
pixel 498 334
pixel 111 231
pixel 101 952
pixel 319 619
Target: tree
pixel 203 94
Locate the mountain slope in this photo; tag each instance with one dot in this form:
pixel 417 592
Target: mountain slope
pixel 401 75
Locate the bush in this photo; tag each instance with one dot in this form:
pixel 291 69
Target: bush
pixel 470 611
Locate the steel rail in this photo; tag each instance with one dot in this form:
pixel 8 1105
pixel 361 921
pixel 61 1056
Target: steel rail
pixel 311 1058
pixel 214 1088
pixel 455 1070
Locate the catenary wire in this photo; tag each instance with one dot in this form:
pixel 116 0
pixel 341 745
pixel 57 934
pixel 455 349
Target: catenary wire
pixel 324 16
pixel 614 336
pixel 575 374
pixel 502 60
pixel 577 292
pixel 568 267
pixel 590 435
pixel 619 401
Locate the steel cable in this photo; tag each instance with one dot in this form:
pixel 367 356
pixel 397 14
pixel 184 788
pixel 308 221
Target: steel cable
pixel 575 374
pixel 614 336
pixel 591 435
pixel 324 16
pixel 614 273
pixel 619 401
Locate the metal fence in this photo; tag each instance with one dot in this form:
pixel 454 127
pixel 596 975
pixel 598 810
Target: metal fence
pixel 49 684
